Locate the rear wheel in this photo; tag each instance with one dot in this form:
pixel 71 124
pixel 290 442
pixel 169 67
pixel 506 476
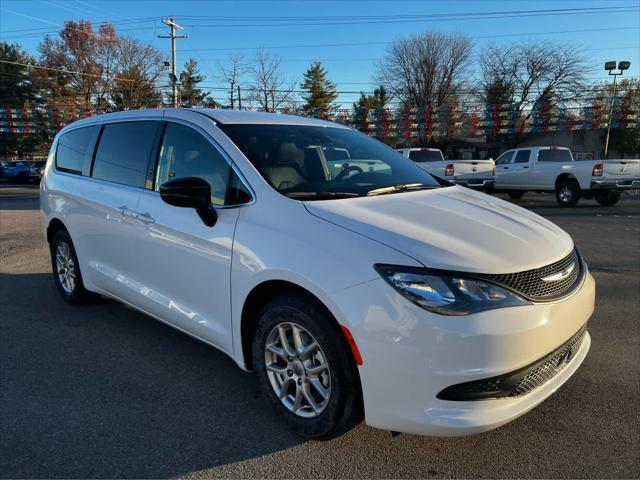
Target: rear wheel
pixel 608 197
pixel 306 369
pixel 66 270
pixel 568 193
pixel 516 194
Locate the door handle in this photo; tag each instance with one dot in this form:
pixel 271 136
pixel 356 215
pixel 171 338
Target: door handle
pixel 526 166
pixel 145 218
pixel 505 168
pixel 127 212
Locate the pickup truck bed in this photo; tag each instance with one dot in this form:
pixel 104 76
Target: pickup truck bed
pixel 476 174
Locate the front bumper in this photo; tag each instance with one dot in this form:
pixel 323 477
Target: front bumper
pixel 411 355
pixel 626 184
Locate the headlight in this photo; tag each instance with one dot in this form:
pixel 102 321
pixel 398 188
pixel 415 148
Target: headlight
pixel 448 294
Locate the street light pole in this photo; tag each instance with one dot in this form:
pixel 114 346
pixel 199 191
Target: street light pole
pixel 174 74
pixel 622 66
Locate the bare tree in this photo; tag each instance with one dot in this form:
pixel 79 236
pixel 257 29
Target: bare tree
pixel 230 72
pixel 270 89
pixel 426 70
pixel 530 73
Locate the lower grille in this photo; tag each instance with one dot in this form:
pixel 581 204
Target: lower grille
pixel 521 381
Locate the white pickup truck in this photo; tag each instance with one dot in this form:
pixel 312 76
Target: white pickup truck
pixel 552 169
pixel 470 173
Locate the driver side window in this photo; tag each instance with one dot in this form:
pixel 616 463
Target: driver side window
pixel 186 153
pixel 504 158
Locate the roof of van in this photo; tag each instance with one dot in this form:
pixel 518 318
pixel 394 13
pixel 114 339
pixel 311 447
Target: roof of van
pixel 217 115
pixel 246 117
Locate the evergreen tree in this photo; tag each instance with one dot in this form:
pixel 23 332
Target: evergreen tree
pixel 190 95
pixel 320 91
pixel 379 99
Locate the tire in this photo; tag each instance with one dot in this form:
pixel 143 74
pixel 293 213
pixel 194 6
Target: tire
pixel 341 408
pixel 568 193
pixel 608 198
pixel 516 194
pixel 63 261
pixel 23 178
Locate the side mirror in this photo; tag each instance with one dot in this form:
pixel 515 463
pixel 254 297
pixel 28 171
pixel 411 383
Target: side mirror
pixel 190 192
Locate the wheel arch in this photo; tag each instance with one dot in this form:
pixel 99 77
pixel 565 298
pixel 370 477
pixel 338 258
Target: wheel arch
pixel 563 177
pixel 55 225
pixel 259 297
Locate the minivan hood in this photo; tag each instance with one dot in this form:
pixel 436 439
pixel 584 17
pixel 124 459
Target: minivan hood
pixel 452 228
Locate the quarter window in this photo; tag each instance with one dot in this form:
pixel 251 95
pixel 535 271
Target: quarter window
pixel 123 152
pixel 186 153
pixel 75 150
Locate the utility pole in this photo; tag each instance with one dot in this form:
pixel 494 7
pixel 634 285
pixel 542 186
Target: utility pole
pixel 239 99
pixel 174 75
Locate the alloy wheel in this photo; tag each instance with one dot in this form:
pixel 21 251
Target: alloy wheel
pixel 65 267
pixel 565 193
pixel 297 369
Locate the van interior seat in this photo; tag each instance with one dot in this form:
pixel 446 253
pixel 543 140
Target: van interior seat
pixel 285 171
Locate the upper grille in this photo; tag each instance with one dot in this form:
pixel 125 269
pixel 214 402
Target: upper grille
pixel 530 283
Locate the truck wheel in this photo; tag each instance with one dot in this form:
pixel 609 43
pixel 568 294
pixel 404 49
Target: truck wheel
pixel 608 198
pixel 568 193
pixel 516 194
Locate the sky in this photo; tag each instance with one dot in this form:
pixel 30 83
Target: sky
pixel 604 35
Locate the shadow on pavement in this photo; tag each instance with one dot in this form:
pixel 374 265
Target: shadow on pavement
pixel 123 394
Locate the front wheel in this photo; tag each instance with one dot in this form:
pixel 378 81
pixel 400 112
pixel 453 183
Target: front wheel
pixel 306 369
pixel 608 197
pixel 568 193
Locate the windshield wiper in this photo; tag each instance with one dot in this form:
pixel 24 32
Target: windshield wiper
pixel 320 195
pixel 401 187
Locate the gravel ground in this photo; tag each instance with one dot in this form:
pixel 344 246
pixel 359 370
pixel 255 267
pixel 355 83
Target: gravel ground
pixel 104 391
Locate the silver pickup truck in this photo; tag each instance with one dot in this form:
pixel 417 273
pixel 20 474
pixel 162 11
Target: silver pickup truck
pixel 553 169
pixel 476 174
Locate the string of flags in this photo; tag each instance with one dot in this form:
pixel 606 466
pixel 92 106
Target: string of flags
pixel 389 123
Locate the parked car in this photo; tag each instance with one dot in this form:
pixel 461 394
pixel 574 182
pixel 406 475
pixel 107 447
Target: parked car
pixel 35 170
pixel 476 174
pixel 379 294
pixel 552 169
pixel 15 171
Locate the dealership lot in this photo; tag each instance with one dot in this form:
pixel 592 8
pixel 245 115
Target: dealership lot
pixel 104 391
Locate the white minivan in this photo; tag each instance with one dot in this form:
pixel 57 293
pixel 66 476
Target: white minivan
pixel 366 292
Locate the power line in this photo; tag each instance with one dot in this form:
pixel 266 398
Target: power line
pixel 68 72
pixel 358 44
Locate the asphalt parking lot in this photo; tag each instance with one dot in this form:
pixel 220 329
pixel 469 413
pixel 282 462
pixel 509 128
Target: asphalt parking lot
pixel 104 391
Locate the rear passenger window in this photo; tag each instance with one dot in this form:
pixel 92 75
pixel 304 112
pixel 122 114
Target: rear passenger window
pixel 523 156
pixel 75 150
pixel 123 152
pixel 186 153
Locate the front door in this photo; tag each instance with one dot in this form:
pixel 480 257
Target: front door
pixel 185 266
pixel 519 172
pixel 503 168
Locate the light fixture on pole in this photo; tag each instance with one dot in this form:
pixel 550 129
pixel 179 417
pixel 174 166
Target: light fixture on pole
pixel 610 66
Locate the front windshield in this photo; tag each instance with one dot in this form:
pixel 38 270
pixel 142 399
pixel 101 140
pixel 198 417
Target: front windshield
pixel 316 162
